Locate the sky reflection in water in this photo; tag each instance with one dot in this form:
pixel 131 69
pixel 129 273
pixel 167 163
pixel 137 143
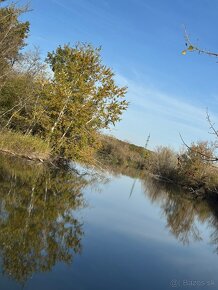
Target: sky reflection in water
pixel 58 231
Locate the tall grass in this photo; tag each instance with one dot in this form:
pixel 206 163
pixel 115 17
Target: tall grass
pixel 23 145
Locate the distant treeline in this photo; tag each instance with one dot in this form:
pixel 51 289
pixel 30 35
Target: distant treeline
pixel 122 156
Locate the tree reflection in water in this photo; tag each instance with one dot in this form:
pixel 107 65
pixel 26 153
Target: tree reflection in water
pixel 182 213
pixel 37 226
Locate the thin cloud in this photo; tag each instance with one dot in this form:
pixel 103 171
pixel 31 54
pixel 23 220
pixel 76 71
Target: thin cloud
pixel 163 115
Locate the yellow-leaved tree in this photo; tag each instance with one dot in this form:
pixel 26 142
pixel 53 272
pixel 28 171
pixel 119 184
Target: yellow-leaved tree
pixel 79 101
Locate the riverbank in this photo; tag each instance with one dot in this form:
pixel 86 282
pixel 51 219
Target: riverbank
pixel 112 152
pixel 197 177
pixel 25 146
pixel 195 174
pixel 192 169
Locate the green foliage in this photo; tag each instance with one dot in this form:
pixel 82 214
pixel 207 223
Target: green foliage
pixel 80 100
pixel 67 109
pixel 19 103
pixel 12 35
pixel 20 94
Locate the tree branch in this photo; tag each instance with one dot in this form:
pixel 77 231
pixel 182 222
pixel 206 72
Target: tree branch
pixel 192 47
pixel 198 152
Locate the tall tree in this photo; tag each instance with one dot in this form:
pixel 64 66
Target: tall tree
pixel 80 100
pixel 12 35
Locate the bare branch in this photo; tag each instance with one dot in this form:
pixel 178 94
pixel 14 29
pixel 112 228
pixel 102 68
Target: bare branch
pixel 214 131
pixel 198 152
pixel 192 47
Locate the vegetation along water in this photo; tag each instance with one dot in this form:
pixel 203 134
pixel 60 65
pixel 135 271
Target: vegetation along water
pixel 80 209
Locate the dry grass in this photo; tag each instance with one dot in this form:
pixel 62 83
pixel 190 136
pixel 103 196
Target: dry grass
pixel 24 145
pixel 163 162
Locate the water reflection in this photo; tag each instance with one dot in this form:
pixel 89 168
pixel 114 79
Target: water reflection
pixel 37 226
pixel 40 227
pixel 183 214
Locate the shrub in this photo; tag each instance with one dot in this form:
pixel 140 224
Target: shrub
pixel 196 167
pixel 163 162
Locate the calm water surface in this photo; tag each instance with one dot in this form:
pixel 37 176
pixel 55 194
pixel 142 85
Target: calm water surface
pixel 62 231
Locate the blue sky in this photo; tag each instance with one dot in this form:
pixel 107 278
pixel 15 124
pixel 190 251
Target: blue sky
pixel 142 41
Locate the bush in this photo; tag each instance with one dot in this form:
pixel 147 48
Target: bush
pixel 163 162
pixel 192 169
pixel 196 167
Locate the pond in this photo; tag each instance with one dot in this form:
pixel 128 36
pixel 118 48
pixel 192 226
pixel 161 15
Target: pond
pixel 64 230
